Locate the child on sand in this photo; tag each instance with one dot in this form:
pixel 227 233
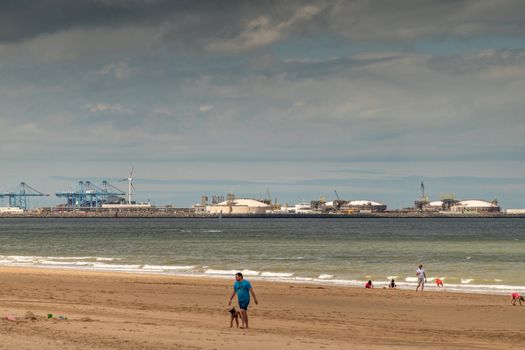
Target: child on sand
pixel 516 297
pixel 392 284
pixel 369 285
pixel 439 283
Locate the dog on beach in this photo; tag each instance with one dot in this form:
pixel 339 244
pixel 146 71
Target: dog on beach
pixel 234 315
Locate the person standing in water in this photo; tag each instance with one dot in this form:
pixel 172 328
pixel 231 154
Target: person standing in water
pixel 243 289
pixel 421 278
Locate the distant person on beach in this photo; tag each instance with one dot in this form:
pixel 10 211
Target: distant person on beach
pixel 421 278
pixel 243 289
pixel 439 283
pixel 516 297
pixel 392 284
pixel 369 285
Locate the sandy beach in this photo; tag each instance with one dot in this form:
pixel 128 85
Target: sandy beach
pixel 124 311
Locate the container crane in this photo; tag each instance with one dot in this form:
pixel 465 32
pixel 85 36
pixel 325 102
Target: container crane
pixel 88 195
pixel 19 197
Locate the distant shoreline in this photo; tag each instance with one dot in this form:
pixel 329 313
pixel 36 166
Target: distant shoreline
pixel 124 214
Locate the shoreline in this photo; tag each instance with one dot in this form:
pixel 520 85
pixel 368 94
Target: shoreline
pixel 496 290
pixel 185 215
pixel 108 310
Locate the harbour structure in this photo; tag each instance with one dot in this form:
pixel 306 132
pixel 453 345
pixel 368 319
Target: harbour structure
pixel 238 206
pixel 423 201
pixel 18 198
pixel 306 208
pixel 364 206
pixel 232 205
pixel 87 195
pixel 130 204
pixel 303 207
pixel 11 211
pixel 433 206
pixel 338 206
pixel 201 207
pixel 475 206
pixel 444 204
pixel 449 204
pixel 424 204
pixel 126 206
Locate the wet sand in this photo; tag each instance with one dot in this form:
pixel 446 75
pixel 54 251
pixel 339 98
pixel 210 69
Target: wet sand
pixel 125 311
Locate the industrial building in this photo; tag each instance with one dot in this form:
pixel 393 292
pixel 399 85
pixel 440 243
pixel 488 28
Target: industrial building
pixel 238 206
pixel 343 206
pixel 433 206
pixel 448 204
pixel 475 206
pixel 11 210
pixel 515 211
pixel 364 206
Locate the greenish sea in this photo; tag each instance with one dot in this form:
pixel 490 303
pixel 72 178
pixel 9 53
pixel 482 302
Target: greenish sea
pixel 470 254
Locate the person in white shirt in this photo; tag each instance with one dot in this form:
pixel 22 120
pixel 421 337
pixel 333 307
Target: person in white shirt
pixel 421 278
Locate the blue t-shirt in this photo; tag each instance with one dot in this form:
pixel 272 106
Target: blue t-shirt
pixel 243 290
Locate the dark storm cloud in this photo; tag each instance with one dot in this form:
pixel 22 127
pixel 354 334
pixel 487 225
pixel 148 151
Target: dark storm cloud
pixel 235 26
pixel 20 20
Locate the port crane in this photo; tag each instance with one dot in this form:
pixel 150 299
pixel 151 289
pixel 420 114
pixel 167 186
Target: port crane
pixel 19 197
pixel 269 196
pixel 274 204
pixel 88 195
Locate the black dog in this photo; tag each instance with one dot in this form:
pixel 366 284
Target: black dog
pixel 234 316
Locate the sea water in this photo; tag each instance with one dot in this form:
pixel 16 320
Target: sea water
pixel 484 255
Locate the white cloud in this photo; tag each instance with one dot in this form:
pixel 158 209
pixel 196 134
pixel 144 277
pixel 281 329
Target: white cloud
pixel 261 31
pixel 120 70
pixel 105 107
pixel 163 111
pixel 205 108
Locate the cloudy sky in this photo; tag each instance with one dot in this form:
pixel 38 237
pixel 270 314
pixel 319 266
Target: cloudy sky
pixel 368 98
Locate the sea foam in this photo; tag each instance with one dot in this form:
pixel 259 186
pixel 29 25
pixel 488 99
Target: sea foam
pixel 276 274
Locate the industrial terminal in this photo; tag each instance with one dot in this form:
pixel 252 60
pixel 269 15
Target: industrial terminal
pixel 87 199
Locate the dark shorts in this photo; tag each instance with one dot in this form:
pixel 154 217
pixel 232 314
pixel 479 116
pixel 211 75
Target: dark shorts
pixel 243 304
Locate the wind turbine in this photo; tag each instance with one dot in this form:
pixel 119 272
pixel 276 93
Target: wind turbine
pixel 130 184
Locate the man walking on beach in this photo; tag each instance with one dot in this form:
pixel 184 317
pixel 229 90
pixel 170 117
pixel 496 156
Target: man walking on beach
pixel 421 278
pixel 243 289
